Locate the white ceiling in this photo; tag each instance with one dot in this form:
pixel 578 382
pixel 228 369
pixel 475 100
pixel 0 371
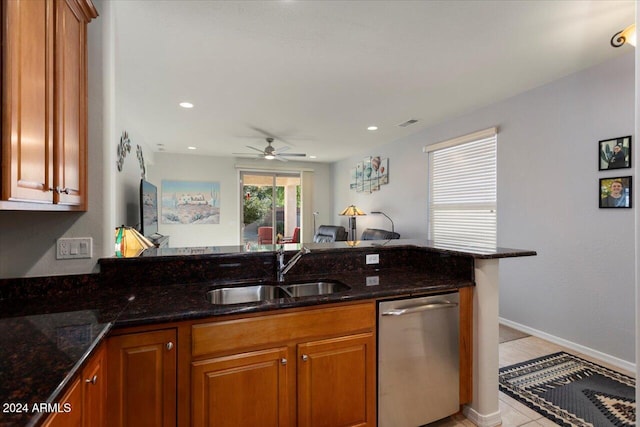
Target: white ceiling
pixel 315 74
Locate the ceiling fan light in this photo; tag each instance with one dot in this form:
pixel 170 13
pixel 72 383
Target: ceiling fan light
pixel 269 156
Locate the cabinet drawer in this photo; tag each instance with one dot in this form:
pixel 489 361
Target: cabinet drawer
pixel 217 337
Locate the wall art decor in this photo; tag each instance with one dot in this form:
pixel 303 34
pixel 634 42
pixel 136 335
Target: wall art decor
pixel 124 147
pixel 186 202
pixel 616 192
pixel 143 168
pixel 614 153
pixel 369 175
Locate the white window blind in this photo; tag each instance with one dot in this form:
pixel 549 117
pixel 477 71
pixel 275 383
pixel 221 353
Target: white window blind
pixel 462 190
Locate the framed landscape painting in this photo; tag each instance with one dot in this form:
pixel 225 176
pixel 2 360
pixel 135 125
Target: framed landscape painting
pixel 186 202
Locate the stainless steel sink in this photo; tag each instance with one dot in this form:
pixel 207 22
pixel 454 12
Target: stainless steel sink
pixel 241 294
pixel 322 287
pixel 244 294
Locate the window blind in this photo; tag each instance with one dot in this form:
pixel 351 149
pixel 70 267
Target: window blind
pixel 462 191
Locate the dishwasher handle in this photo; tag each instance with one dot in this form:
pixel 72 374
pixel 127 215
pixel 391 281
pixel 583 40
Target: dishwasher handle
pixel 419 308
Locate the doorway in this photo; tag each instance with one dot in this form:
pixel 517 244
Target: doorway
pixel 270 210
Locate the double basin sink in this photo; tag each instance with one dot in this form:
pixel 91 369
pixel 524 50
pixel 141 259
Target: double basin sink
pixel 258 292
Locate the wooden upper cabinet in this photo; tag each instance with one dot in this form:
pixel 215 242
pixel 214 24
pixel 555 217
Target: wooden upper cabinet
pixel 27 100
pixel 44 104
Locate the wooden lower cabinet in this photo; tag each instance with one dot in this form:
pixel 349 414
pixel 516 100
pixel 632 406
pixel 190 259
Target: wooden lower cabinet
pixel 308 368
pixel 141 389
pixel 247 389
pixel 336 382
pixel 72 400
pixel 83 405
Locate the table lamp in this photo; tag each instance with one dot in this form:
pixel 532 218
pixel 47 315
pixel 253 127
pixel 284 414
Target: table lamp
pixel 352 212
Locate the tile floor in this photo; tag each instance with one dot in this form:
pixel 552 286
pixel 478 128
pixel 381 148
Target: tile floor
pixel 515 414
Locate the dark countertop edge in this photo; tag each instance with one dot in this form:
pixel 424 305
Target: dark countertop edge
pixel 234 251
pixel 57 393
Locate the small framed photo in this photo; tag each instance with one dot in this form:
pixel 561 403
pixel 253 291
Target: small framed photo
pixel 614 153
pixel 616 192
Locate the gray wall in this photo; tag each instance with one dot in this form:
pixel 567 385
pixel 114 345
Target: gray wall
pixel 580 287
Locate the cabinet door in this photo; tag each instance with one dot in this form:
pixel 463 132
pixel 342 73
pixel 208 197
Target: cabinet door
pixel 70 112
pixel 336 382
pixel 94 396
pixel 27 101
pixel 141 386
pixel 248 389
pixel 70 414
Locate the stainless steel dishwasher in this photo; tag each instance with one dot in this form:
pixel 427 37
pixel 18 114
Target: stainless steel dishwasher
pixel 418 368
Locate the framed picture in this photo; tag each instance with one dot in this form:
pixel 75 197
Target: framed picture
pixel 615 192
pixel 614 153
pixel 186 202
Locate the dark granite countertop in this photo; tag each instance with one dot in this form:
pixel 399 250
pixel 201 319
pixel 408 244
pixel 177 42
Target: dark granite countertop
pixel 49 329
pixel 188 301
pixel 428 245
pixel 44 342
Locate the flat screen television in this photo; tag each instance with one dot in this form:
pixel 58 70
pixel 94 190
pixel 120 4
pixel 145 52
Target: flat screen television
pixel 148 209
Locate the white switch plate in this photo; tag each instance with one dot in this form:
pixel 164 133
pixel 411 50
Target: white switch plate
pixel 74 248
pixel 373 259
pixel 373 280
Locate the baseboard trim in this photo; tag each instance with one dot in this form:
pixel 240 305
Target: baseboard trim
pixel 490 420
pixel 622 364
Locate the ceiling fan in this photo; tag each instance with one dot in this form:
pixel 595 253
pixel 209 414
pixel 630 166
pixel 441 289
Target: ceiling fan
pixel 270 152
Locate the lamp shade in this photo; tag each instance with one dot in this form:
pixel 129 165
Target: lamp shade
pixel 130 243
pixel 628 35
pixel 352 210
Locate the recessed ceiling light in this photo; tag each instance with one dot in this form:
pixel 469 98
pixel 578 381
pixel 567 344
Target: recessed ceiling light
pixel 313 157
pixel 186 105
pixel 191 148
pixel 372 128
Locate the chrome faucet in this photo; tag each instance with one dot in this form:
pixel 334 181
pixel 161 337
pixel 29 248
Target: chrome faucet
pixel 284 268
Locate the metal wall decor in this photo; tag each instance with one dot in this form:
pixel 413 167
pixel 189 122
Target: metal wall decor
pixel 124 147
pixel 369 175
pixel 143 169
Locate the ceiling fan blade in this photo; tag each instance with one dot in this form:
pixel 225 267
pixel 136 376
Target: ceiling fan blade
pixel 282 159
pixel 254 148
pixel 280 150
pixel 262 131
pixel 269 135
pixel 257 156
pixel 293 154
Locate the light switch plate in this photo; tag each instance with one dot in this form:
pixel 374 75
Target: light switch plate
pixel 373 258
pixel 74 248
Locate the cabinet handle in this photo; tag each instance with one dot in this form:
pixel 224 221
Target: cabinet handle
pixel 283 361
pixel 169 345
pixel 305 357
pixel 92 380
pixel 60 190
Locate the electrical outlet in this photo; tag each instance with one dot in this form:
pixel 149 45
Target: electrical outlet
pixel 74 248
pixel 373 259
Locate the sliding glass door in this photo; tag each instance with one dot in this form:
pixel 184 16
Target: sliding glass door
pixel 270 208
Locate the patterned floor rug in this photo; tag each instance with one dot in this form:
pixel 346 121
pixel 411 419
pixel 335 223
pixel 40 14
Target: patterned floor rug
pixel 572 391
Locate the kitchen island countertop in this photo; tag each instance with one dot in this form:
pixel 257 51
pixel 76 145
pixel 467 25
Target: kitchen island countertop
pixel 45 341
